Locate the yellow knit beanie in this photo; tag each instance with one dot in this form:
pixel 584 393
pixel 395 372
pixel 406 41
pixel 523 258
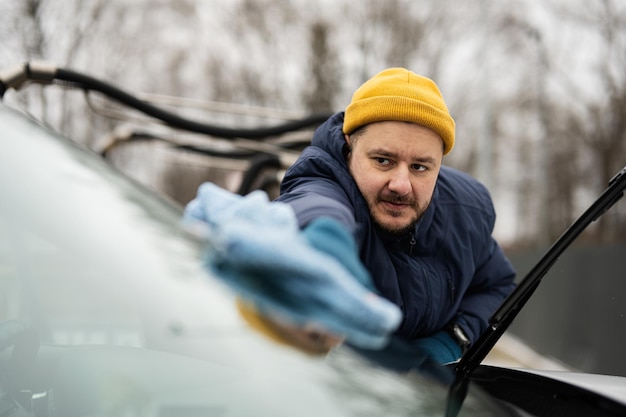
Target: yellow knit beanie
pixel 397 94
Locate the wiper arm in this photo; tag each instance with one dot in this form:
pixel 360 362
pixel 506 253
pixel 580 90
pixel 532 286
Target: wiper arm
pixel 512 305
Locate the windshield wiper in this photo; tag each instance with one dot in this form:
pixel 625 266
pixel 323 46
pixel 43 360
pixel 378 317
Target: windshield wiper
pixel 512 305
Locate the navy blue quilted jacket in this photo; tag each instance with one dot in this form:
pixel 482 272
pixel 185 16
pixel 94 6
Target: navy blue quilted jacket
pixel 449 269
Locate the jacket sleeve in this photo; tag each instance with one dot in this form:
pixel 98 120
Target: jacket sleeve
pixel 312 189
pixel 316 201
pixel 493 281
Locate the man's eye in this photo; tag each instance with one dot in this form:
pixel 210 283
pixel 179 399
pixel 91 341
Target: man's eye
pixel 382 161
pixel 418 167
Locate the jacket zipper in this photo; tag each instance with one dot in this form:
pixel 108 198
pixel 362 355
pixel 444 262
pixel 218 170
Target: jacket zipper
pixel 450 286
pixel 412 243
pixel 429 291
pixel 451 289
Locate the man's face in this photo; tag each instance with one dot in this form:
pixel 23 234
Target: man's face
pixel 395 165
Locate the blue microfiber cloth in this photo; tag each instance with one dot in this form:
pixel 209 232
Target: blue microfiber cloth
pixel 310 276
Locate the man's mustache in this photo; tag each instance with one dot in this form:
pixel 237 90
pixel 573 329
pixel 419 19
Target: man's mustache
pixel 395 198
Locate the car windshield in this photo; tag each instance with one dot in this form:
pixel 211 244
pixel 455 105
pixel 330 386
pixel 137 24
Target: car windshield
pixel 130 323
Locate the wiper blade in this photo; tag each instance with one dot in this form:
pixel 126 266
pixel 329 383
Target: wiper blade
pixel 512 305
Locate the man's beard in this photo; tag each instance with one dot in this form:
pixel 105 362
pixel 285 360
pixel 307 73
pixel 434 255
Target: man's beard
pixel 410 227
pixel 395 232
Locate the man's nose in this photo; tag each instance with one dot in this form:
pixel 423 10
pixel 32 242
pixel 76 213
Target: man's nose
pixel 400 181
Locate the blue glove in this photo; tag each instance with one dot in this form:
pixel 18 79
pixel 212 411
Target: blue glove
pixel 440 347
pixel 218 208
pixel 330 237
pixel 257 248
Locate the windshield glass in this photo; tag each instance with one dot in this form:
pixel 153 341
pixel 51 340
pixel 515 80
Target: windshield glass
pixel 80 244
pixel 128 320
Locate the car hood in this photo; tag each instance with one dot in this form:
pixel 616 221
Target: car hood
pixel 613 387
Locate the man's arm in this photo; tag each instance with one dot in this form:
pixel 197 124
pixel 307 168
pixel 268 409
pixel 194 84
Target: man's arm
pixel 493 282
pixel 311 276
pixel 318 199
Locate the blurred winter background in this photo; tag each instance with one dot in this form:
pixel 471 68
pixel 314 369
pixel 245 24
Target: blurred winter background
pixel 537 88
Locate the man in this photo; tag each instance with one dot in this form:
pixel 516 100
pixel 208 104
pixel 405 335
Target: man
pixel 423 230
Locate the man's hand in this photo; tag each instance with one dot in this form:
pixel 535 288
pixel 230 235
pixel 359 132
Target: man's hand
pixel 310 277
pixel 440 347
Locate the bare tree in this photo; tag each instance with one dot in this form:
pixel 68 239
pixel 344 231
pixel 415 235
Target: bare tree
pixel 525 120
pixel 320 94
pixel 30 28
pixel 599 124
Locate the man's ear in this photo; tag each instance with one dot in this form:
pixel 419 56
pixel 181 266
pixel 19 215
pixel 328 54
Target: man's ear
pixel 346 147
